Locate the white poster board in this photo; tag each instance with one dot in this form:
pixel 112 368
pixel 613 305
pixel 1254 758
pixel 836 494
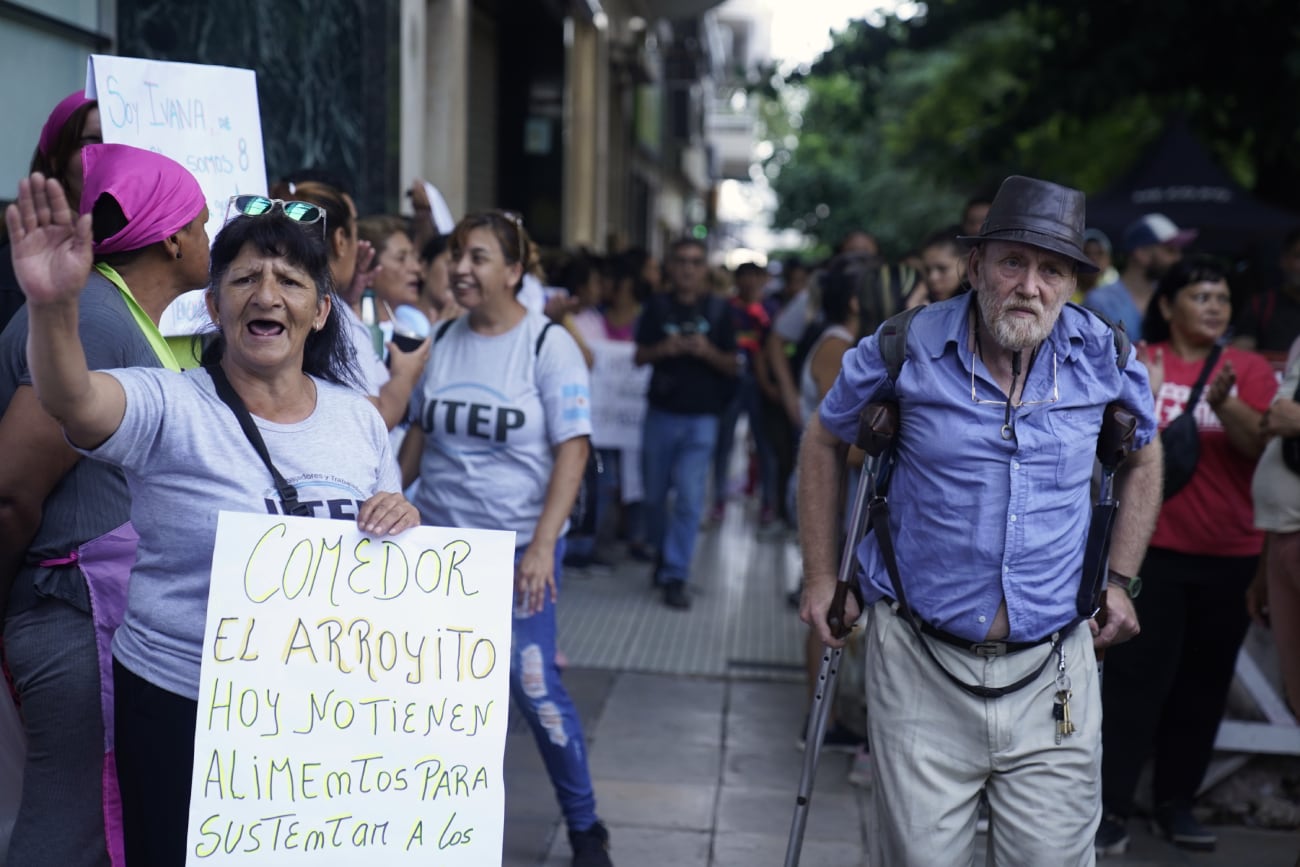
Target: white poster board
pixel 618 389
pixel 204 117
pixel 353 697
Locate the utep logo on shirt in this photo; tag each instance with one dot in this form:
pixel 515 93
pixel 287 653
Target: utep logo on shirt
pixel 326 497
pixel 468 411
pixel 575 403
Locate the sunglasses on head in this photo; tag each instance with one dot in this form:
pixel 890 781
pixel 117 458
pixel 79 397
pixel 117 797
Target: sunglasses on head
pixel 255 206
pixel 518 222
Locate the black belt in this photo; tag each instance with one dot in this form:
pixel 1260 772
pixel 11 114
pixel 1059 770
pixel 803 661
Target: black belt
pixel 979 648
pixel 982 648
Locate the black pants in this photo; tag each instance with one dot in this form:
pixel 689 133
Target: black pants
pixel 1163 693
pixel 783 440
pixel 155 756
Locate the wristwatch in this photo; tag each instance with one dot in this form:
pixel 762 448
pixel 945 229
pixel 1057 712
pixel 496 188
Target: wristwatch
pixel 1131 586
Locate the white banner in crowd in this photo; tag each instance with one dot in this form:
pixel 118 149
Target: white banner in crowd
pixel 353 698
pixel 204 117
pixel 618 389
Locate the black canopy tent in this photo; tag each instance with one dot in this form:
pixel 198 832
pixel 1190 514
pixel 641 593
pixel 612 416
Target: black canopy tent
pixel 1179 178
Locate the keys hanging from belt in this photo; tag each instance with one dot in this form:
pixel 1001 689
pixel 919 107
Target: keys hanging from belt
pixel 1061 705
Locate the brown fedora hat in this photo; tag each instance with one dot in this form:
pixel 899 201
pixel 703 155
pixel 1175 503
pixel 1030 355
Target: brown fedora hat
pixel 1038 213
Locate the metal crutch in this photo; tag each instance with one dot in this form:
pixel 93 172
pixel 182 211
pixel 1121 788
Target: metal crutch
pixel 877 426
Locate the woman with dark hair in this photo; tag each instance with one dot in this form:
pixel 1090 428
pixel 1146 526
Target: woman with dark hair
pixel 1165 690
pixel 65 541
pixel 512 459
pixel 73 124
pixel 186 458
pixel 943 265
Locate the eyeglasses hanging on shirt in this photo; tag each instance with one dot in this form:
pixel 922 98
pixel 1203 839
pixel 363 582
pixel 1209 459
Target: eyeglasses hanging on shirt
pixel 1009 419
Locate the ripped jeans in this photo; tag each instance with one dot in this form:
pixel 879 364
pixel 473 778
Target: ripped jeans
pixel 540 696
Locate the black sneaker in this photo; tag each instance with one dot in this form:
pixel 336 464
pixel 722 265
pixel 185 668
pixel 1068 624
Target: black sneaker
pixel 590 847
pixel 1112 836
pixel 675 595
pixel 1175 822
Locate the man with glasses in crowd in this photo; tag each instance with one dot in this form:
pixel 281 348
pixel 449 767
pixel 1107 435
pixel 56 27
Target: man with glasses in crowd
pixel 687 335
pixel 981 670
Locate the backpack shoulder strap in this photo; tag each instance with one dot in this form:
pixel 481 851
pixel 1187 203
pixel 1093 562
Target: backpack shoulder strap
pixel 1118 333
pixel 443 329
pixel 537 347
pixel 893 341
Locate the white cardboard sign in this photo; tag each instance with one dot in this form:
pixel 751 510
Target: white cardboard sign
pixel 353 696
pixel 618 389
pixel 204 117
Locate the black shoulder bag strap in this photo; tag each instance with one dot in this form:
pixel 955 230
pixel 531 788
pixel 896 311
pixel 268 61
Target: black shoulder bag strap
pixel 1195 397
pixel 288 493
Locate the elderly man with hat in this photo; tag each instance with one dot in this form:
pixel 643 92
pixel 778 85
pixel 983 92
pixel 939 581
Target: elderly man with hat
pixel 978 641
pixel 1153 244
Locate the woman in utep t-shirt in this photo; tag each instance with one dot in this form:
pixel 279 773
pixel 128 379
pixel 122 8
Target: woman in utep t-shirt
pixel 500 433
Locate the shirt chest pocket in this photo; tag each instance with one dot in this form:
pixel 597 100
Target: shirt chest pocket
pixel 1074 431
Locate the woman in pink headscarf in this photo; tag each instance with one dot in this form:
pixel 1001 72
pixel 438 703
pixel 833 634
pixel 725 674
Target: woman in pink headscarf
pixel 73 124
pixel 66 543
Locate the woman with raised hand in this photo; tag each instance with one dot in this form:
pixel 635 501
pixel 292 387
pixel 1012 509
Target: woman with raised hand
pixel 66 546
pixel 501 423
pixel 186 458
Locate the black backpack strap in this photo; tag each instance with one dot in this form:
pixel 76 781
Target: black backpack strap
pixel 893 341
pixel 1118 333
pixel 537 347
pixel 288 493
pixel 443 329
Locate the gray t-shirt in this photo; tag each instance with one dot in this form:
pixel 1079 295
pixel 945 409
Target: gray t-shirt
pixel 186 459
pixel 92 498
pixel 492 409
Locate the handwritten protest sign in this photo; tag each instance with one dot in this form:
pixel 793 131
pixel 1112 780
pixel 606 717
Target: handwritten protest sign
pixel 353 697
pixel 204 117
pixel 618 390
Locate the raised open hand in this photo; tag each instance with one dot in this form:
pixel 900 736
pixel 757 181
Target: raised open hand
pixel 362 274
pixel 1154 360
pixel 51 244
pixel 1221 385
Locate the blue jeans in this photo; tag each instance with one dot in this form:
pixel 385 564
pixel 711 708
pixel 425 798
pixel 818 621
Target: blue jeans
pixel 677 451
pixel 540 696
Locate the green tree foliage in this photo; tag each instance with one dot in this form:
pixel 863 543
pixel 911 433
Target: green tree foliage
pixel 897 124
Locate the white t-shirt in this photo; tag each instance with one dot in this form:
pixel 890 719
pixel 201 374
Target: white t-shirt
pixel 493 408
pixel 185 459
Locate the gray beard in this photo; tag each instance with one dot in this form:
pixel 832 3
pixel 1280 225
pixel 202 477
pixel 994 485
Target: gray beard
pixel 1017 334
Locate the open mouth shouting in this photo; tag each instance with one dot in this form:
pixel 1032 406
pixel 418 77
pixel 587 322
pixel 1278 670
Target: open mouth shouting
pixel 265 328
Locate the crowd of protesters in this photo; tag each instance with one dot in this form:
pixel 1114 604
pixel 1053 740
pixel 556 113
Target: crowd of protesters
pixel 345 334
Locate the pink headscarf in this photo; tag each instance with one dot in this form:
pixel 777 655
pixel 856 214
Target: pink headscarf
pixel 58 118
pixel 157 195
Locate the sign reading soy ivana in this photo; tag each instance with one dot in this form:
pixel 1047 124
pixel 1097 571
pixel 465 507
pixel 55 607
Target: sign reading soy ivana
pixel 352 703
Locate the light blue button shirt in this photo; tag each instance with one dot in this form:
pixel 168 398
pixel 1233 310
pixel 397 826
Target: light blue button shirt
pixel 975 517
